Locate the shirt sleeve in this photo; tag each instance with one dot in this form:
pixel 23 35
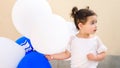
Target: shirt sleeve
pixel 69 44
pixel 101 47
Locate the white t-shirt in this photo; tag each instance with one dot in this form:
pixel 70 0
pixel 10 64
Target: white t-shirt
pixel 80 47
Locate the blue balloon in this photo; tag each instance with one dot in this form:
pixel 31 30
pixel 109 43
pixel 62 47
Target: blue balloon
pixel 34 59
pixel 26 43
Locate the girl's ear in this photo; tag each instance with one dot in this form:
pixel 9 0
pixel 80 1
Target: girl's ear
pixel 80 25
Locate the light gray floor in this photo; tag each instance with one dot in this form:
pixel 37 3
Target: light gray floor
pixel 110 61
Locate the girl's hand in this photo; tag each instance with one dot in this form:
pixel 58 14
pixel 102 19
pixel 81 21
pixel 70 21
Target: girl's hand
pixel 92 57
pixel 49 57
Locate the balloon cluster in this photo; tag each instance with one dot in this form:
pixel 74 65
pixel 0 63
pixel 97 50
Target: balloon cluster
pixel 15 56
pixel 43 33
pixel 49 33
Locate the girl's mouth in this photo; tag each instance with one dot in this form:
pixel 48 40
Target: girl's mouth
pixel 95 30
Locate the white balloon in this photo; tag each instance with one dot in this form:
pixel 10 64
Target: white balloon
pixel 51 35
pixel 72 28
pixel 25 12
pixel 48 32
pixel 10 53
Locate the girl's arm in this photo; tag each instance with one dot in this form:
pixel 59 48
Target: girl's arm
pixel 59 56
pixel 98 57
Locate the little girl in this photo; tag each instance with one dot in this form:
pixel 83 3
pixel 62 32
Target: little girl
pixel 84 48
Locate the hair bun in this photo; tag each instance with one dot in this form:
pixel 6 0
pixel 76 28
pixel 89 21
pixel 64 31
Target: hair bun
pixel 74 11
pixel 87 7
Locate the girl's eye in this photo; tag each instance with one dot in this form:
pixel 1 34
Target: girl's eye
pixel 93 22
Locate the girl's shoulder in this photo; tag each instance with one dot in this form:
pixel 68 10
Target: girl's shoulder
pixel 72 37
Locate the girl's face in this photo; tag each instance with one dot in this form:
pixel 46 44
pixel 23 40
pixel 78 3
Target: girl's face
pixel 90 27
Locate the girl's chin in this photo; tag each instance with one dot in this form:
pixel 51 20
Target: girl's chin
pixel 93 32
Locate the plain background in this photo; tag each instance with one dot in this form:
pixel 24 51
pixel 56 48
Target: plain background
pixel 108 12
